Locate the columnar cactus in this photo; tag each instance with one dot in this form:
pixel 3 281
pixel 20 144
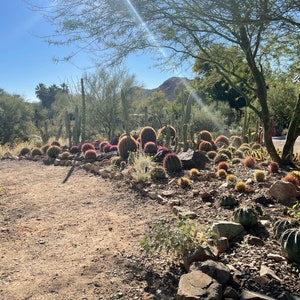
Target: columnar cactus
pixel 172 163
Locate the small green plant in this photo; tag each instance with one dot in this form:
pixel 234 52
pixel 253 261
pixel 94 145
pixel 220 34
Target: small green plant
pixel 294 212
pixel 178 237
pixel 259 175
pixel 140 169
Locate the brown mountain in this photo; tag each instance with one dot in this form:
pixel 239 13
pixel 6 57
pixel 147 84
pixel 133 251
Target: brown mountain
pixel 167 87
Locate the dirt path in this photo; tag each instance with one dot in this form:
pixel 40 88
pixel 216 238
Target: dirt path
pixel 77 240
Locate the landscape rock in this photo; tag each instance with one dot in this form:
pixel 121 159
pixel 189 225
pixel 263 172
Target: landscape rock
pixel 248 295
pixel 284 192
pixel 193 159
pixel 214 269
pixel 198 285
pixel 228 229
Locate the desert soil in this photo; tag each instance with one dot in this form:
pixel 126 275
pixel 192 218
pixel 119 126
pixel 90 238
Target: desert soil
pixel 77 240
pixel 80 239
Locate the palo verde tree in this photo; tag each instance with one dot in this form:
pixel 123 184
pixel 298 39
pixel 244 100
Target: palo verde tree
pixel 189 29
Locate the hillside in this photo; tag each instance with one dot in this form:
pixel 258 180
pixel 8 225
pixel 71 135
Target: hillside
pixel 168 87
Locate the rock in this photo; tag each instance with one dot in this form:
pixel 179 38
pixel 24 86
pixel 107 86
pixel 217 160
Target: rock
pixel 231 293
pixel 193 159
pixel 263 200
pixel 199 254
pixel 216 270
pixel 231 230
pixel 284 192
pixel 248 295
pixel 183 212
pixel 198 285
pixel 253 240
pixel 222 244
pixel 275 257
pixel 268 273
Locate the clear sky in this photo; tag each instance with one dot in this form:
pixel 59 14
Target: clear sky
pixel 26 59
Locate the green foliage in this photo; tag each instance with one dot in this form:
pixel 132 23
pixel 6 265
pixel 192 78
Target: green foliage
pixel 294 212
pixel 15 118
pixel 178 237
pixel 140 168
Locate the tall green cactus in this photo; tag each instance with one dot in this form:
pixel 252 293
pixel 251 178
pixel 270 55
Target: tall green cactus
pixel 186 120
pixel 83 112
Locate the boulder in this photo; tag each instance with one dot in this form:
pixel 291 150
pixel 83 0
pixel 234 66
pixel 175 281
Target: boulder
pixel 193 159
pixel 231 230
pixel 198 285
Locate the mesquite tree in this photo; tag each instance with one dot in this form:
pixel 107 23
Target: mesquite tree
pixel 264 31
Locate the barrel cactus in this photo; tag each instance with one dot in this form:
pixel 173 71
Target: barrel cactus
pixel 282 225
pixel 90 154
pixel 163 131
pixel 36 151
pixel 126 145
pixel 86 146
pixel 150 148
pixel 147 134
pixel 205 135
pixel 53 151
pixel 172 163
pixel 158 173
pixel 246 216
pixel 290 244
pixel 24 151
pixel 205 146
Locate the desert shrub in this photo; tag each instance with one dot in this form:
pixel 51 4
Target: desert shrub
pixel 140 168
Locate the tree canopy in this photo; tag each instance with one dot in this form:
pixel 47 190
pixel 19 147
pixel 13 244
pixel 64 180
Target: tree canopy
pixel 264 32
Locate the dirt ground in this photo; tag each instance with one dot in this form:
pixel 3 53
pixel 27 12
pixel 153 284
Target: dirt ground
pixel 77 240
pixel 80 239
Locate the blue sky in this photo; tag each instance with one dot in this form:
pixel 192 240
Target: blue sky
pixel 27 60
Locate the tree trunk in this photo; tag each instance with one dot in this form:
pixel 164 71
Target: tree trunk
pixel 293 133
